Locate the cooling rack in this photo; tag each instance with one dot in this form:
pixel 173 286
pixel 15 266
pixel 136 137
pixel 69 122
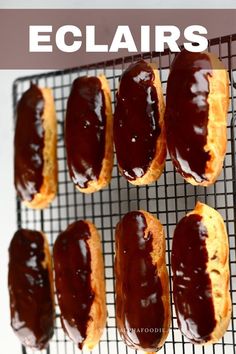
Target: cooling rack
pixel 170 198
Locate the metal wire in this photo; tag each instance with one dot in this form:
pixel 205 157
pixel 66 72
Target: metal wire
pixel 169 199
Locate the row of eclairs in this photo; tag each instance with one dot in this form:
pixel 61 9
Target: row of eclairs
pixel 192 125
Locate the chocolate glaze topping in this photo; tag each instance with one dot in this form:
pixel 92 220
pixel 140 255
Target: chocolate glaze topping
pixel 85 130
pixel 136 120
pixel 29 144
pixel 191 283
pixel 139 307
pixel 32 309
pixel 72 261
pixel 187 111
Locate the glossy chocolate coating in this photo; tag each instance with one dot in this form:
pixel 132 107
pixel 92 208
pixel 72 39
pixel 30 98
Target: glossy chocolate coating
pixel 139 307
pixel 191 283
pixel 72 261
pixel 32 307
pixel 187 110
pixel 29 144
pixel 85 130
pixel 136 120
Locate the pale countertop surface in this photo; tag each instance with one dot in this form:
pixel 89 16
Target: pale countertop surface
pixel 9 343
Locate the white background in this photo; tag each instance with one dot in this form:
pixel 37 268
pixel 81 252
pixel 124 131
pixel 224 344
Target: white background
pixel 8 342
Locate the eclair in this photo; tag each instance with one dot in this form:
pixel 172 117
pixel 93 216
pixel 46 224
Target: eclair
pixel 30 284
pixel 35 161
pixel 197 102
pixel 80 284
pixel 142 285
pixel 200 264
pixel 139 132
pixel 89 133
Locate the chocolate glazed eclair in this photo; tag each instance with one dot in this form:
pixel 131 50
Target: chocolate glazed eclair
pixel 139 132
pixel 80 284
pixel 89 133
pixel 200 264
pixel 30 286
pixel 35 160
pixel 142 285
pixel 197 101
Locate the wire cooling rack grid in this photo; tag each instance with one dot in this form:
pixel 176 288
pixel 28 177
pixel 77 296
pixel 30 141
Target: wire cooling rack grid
pixel 169 199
